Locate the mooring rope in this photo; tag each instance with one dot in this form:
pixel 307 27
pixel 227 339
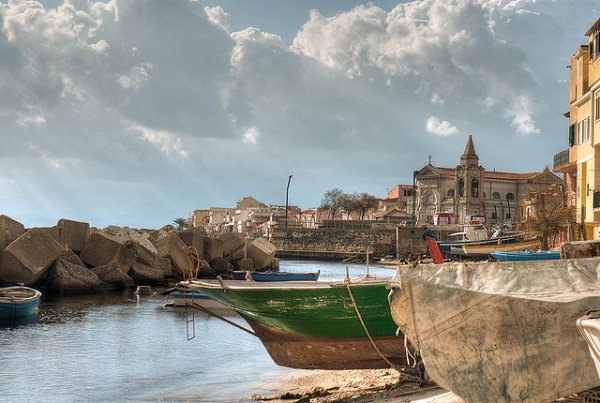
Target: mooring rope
pixel 347 283
pixel 193 260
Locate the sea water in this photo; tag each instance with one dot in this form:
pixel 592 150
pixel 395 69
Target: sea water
pixel 121 347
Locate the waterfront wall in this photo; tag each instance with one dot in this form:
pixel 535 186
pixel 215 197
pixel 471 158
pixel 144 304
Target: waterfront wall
pixel 342 243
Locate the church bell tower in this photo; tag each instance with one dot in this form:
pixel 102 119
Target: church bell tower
pixel 469 178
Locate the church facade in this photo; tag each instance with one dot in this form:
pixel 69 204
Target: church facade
pixel 469 191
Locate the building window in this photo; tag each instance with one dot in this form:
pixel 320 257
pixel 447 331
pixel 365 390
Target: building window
pixel 451 193
pixel 496 196
pixel 597 106
pixel 475 188
pixel 430 199
pixel 510 196
pixel 494 216
pixel 461 187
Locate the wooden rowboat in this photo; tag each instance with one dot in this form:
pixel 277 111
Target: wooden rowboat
pixel 525 255
pixel 18 301
pixel 470 250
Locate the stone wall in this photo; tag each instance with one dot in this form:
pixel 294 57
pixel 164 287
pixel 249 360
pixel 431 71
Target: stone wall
pixel 382 241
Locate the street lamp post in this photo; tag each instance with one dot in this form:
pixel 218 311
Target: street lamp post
pixel 287 192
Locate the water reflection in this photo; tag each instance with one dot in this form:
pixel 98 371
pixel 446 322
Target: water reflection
pixel 9 323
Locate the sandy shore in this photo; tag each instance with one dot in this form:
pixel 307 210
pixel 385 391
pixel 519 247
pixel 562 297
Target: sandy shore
pixel 381 385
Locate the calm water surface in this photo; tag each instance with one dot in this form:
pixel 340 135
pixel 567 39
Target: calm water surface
pixel 124 348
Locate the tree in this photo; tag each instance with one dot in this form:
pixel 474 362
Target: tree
pixel 365 203
pixel 546 214
pixel 181 223
pixel 332 201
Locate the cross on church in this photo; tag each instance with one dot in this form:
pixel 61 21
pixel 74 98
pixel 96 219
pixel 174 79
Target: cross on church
pixel 429 158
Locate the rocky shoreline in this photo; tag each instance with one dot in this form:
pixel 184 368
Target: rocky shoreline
pixel 72 257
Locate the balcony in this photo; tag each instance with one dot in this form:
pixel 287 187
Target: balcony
pixel 596 200
pixel 562 158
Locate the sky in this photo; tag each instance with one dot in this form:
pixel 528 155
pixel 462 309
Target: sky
pixel 135 113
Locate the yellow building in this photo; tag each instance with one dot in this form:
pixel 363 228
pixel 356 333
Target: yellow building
pixel 579 163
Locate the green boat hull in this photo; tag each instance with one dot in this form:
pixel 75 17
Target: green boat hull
pixel 317 326
pixel 313 311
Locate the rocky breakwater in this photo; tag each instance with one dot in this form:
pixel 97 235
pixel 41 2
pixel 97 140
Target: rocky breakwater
pixel 72 257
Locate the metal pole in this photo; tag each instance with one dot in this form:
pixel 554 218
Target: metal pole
pixel 287 192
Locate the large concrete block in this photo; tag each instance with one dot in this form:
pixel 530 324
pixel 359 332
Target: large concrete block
pixel 9 231
pixel 233 244
pixel 67 278
pixel 111 274
pixel 174 248
pixel 73 234
pixel 194 239
pixel 262 252
pixel 27 259
pixel 213 248
pixel 146 275
pixel 100 250
pixel 127 236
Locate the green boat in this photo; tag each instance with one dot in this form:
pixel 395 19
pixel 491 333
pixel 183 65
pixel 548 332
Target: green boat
pixel 317 325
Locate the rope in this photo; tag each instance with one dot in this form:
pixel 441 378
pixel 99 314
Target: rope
pixel 347 283
pixel 211 313
pixel 193 260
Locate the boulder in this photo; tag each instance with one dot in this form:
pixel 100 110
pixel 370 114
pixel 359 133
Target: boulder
pixel 206 270
pixel 127 237
pixel 243 264
pixel 146 275
pixel 233 244
pixel 9 231
pixel 71 257
pixel 142 255
pixel 27 259
pixel 100 250
pixel 262 252
pixel 65 278
pixel 110 273
pixel 221 266
pixel 73 234
pixel 194 239
pixel 53 232
pixel 213 248
pixel 161 233
pixel 172 246
pixel 165 266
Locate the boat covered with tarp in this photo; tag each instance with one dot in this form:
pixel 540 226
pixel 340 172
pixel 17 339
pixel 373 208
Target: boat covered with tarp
pixel 501 331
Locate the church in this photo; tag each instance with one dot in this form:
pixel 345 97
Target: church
pixel 469 191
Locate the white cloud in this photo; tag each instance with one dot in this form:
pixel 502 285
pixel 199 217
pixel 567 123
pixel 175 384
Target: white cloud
pixel 353 85
pixel 251 136
pixel 440 127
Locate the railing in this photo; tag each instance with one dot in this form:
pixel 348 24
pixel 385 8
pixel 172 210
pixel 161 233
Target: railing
pixel 562 158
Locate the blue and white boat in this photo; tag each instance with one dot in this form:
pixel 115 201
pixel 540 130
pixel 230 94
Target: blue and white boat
pixel 525 255
pixel 275 276
pixel 18 301
pixel 184 297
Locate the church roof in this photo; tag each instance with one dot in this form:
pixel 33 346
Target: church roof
pixel 496 175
